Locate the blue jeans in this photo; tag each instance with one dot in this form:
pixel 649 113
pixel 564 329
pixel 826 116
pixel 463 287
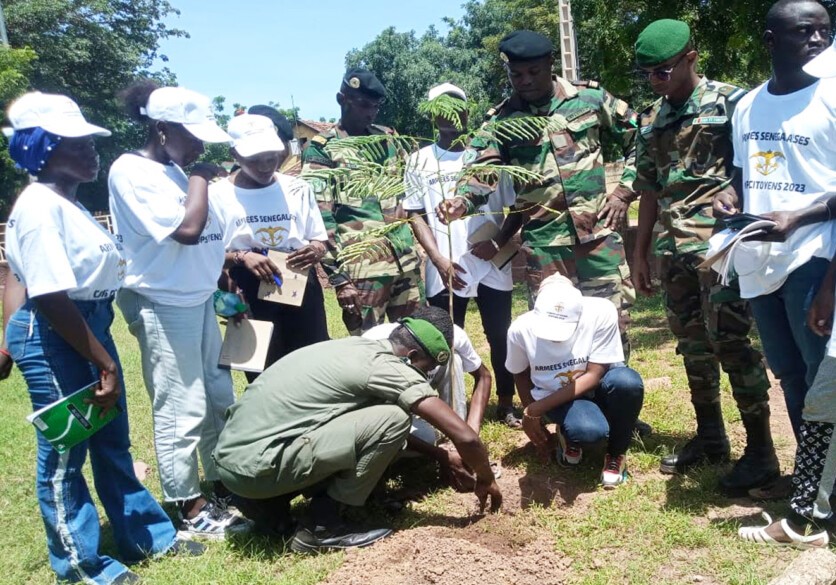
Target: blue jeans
pixel 53 369
pixel 610 411
pixel 792 350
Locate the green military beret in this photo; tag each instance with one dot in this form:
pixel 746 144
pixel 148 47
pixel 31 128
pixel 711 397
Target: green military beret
pixel 429 338
pixel 660 41
pixel 364 81
pixel 524 45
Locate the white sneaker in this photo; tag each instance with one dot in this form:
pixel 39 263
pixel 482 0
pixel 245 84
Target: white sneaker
pixel 615 471
pixel 567 453
pixel 213 523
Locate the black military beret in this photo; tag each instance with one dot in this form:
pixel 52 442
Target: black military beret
pixel 280 121
pixel 365 82
pixel 524 45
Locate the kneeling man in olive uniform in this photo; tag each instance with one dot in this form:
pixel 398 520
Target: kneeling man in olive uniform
pixel 329 418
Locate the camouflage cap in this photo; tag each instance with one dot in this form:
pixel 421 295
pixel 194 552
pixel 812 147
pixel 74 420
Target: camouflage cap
pixel 660 41
pixel 524 45
pixel 363 81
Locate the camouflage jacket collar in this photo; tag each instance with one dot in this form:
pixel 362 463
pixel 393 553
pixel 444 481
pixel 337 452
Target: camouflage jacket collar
pixel 563 90
pixel 339 132
pixel 691 107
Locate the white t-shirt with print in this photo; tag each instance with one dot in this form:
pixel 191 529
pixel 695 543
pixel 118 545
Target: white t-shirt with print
pixel 785 145
pixel 147 201
pixel 282 216
pixel 53 244
pixel 555 364
pixel 425 171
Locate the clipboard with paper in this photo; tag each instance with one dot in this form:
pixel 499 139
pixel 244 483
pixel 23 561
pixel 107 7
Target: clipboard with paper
pixel 294 282
pixel 245 345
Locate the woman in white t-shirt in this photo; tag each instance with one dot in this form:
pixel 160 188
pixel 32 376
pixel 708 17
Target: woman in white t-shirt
pixel 58 305
pixel 173 245
pixel 262 210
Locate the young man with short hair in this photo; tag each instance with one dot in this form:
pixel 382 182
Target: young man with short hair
pixel 785 153
pixel 430 178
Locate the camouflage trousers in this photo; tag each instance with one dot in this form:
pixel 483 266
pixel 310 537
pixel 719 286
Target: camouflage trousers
pixel 385 296
pixel 711 324
pixel 598 268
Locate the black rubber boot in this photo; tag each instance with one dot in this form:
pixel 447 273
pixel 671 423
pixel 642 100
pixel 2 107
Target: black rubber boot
pixel 759 465
pixel 711 445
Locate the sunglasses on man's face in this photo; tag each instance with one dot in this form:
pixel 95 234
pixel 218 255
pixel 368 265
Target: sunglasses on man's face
pixel 663 74
pixel 366 104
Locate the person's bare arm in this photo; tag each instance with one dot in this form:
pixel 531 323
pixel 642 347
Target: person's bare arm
pixel 452 467
pixel 67 321
pixel 14 295
pixel 648 212
pixel 482 381
pixel 197 204
pixel 446 268
pixel 473 453
pixel 524 386
pixel 587 381
pixel 729 200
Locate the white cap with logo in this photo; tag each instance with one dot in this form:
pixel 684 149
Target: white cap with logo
pixel 824 64
pixel 189 108
pixel 446 88
pixel 559 306
pixel 253 134
pixel 57 114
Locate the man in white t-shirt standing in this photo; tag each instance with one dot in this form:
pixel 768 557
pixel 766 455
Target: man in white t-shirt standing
pixel 430 177
pixel 568 365
pixel 784 148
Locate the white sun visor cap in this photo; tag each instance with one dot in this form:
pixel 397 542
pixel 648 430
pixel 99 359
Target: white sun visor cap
pixel 824 64
pixel 253 134
pixel 446 88
pixel 55 113
pixel 186 107
pixel 559 306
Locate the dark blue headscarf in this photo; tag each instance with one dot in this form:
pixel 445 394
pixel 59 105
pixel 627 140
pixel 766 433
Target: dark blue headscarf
pixel 31 148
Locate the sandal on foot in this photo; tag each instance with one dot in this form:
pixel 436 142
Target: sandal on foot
pixel 509 418
pixel 758 535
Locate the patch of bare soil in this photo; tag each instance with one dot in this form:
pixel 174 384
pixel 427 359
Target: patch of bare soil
pixel 445 556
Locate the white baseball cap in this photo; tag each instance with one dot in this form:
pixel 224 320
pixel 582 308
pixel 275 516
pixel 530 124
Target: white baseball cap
pixel 824 64
pixel 559 306
pixel 55 113
pixel 446 88
pixel 186 107
pixel 253 134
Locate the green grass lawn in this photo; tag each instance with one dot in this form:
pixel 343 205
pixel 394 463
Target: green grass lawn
pixel 653 530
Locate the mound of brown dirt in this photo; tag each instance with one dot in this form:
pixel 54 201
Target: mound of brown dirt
pixel 444 556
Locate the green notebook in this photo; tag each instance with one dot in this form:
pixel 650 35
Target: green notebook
pixel 69 421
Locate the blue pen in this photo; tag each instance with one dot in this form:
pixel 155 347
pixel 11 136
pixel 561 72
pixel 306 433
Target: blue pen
pixel 276 277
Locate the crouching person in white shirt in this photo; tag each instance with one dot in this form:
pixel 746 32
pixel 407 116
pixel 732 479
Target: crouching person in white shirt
pixel 448 381
pixel 568 366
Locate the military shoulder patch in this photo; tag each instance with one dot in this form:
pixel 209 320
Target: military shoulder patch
pixel 591 84
pixel 320 139
pixel 384 129
pixel 732 93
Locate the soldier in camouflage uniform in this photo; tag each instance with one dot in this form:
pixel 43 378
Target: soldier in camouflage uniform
pixel 569 221
pixel 386 281
pixel 684 156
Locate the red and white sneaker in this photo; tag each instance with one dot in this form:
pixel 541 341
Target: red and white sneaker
pixel 567 453
pixel 614 472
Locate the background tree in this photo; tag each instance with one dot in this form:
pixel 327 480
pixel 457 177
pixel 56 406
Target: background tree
pixel 727 34
pixel 15 69
pixel 88 49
